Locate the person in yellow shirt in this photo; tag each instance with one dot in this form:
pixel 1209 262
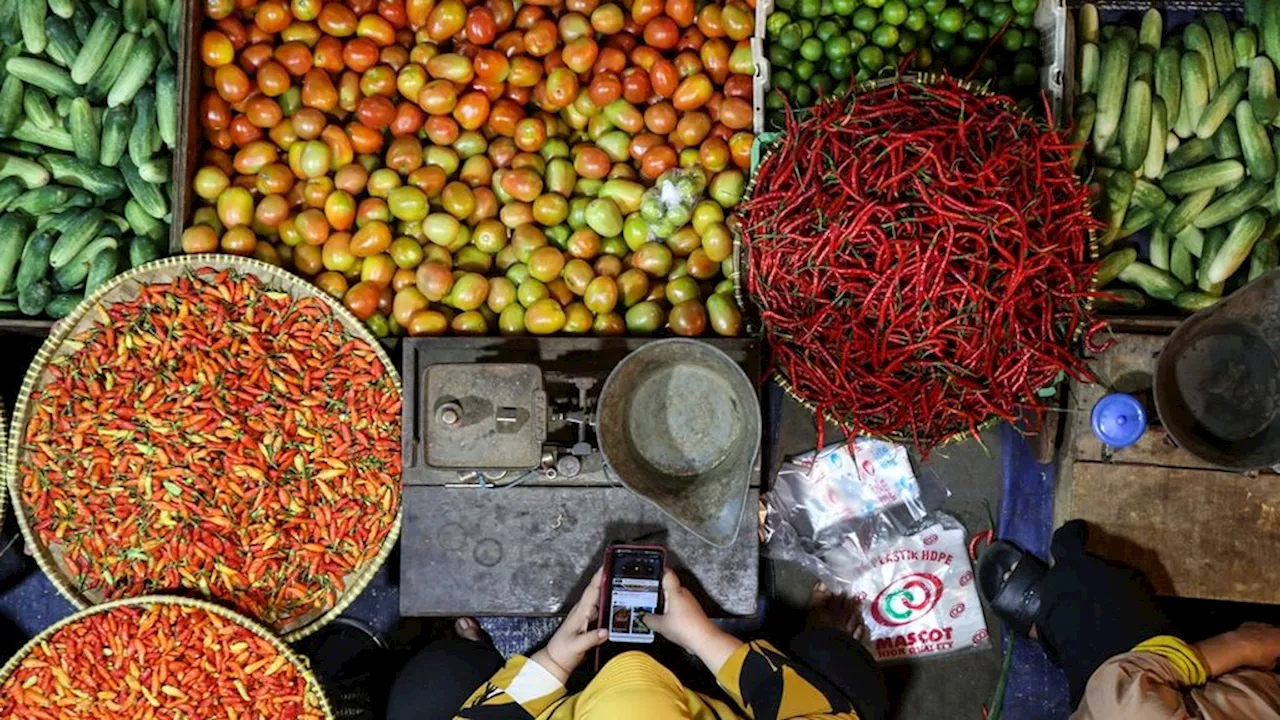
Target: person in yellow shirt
pixel 828 674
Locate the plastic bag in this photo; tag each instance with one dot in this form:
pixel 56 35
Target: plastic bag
pixel 668 205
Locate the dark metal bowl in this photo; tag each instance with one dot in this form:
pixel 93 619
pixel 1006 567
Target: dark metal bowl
pixel 679 424
pixel 1217 383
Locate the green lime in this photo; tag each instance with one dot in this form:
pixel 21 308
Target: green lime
pixel 838 48
pixel 783 79
pixel 841 68
pixel 885 36
pixel 774 100
pixel 779 56
pixel 811 49
pixel 961 57
pixel 802 95
pixel 809 8
pixel 933 7
pixel 1001 14
pixel 1024 21
pixel 975 32
pixel 806 27
pixel 894 12
pixel 950 20
pixel 924 57
pixel 865 19
pixel 916 19
pixel 875 4
pixel 826 30
pixel 913 4
pixel 990 66
pixel 1026 55
pixel 944 40
pixel 785 4
pixel 983 8
pixel 791 37
pixel 844 7
pixel 821 84
pixel 777 20
pixel 1025 7
pixel 805 70
pixel 871 58
pixel 1030 38
pixel 841 88
pixel 907 43
pixel 1012 39
pixel 826 8
pixel 1025 75
pixel 857 39
pixel 862 76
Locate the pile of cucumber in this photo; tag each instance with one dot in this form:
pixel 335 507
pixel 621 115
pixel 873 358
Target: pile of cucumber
pixel 88 124
pixel 1182 130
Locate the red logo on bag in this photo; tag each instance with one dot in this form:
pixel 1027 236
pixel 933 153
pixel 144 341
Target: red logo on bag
pixel 956 611
pixel 907 599
pixel 979 637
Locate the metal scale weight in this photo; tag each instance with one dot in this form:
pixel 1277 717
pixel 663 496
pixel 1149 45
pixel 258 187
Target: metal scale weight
pixel 524 458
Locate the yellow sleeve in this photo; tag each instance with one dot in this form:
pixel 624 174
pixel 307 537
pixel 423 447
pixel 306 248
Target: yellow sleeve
pixel 521 689
pixel 767 685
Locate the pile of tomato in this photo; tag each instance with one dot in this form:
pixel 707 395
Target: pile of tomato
pixel 478 168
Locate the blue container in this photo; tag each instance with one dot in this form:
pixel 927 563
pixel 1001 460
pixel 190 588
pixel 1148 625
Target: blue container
pixel 1119 420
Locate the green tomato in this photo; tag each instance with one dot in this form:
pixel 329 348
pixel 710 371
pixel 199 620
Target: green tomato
pixel 933 7
pixel 841 68
pixel 838 48
pixel 961 57
pixel 865 19
pixel 811 49
pixel 783 79
pixel 805 70
pixel 916 19
pixel 1001 14
pixel 975 32
pixel 791 37
pixel 1025 75
pixel 827 29
pixel 809 8
pixel 885 36
pixel 802 95
pixel 944 40
pixel 1012 39
pixel 844 7
pixel 1031 38
pixel 777 20
pixel 871 58
pixel 982 9
pixel 894 12
pixel 779 56
pixel 950 20
pixel 1025 7
pixel 857 39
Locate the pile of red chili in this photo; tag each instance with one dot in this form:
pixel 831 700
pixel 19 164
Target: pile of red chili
pixel 157 661
pixel 920 257
pixel 218 438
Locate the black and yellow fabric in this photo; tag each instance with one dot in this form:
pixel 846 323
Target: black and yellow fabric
pixel 1185 659
pixel 764 683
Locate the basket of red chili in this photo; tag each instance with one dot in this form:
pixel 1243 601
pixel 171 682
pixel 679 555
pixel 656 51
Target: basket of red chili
pixel 215 427
pixel 159 657
pixel 921 259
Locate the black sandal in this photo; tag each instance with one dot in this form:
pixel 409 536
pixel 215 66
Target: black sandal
pixel 1009 580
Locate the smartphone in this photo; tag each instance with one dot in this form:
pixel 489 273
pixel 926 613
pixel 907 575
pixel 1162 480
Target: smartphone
pixel 632 587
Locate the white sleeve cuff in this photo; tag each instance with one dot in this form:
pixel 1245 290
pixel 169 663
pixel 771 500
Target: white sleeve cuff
pixel 532 682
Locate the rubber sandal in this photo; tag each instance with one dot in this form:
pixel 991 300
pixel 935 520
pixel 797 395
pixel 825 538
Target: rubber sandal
pixel 1009 579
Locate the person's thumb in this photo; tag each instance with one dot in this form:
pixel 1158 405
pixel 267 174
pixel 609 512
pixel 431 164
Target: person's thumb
pixel 588 640
pixel 655 622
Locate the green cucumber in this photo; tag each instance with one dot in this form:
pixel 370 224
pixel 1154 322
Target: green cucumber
pixel 1119 193
pixel 97 46
pixel 1087 23
pixel 1136 219
pixel 44 75
pixel 1239 243
pixel 1158 246
pixel 34 263
pixel 101 269
pixel 1142 66
pixel 1209 175
pixel 1187 210
pixel 1226 141
pixel 1153 281
pixel 1086 112
pixel 1213 240
pixel 1255 144
pixel 11 93
pixel 62 8
pixel 1195 92
pixel 148 196
pixel 142 137
pixel 73 274
pixel 1224 58
pixel 143 224
pixel 105 77
pixel 1113 263
pixel 1196 39
pixel 38 110
pixel 1112 73
pixel 13 238
pixel 136 74
pixel 1151 29
pixel 102 181
pixel 167 106
pixel 116 125
pixel 32 174
pixel 1088 62
pixel 85 134
pixel 41 200
pixel 1181 266
pixel 1190 153
pixel 1153 163
pixel 63 44
pixel 135 14
pixel 1253 12
pixel 1269 30
pixel 10 189
pixel 62 305
pixel 1192 239
pixel 76 238
pixel 1262 90
pixel 155 171
pixel 1148 194
pixel 31 17
pixel 1222 103
pixel 33 298
pixel 1233 204
pixel 1121 299
pixel 1265 256
pixel 1135 125
pixel 1169 83
pixel 1194 301
pixel 143 250
pixel 1244 44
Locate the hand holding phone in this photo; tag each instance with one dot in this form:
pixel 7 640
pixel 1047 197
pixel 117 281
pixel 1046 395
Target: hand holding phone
pixel 633 588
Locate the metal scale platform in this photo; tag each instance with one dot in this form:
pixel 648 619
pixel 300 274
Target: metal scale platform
pixel 507 507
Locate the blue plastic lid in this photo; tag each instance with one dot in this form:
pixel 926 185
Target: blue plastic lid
pixel 1119 420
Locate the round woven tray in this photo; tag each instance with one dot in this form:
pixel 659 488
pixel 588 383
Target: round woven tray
pixel 741 259
pixel 314 690
pixel 125 287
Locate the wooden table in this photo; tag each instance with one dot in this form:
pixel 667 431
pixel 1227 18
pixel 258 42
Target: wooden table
pixel 1196 531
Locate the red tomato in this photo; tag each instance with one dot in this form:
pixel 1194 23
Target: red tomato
pixel 661 32
pixel 481 28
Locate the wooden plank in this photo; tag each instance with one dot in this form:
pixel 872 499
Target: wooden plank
pixel 1128 366
pixel 528 551
pixel 1195 533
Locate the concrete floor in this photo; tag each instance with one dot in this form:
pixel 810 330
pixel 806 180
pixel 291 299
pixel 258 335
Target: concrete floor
pixel 932 689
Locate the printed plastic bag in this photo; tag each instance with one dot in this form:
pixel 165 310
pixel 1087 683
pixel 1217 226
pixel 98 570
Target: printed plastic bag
pixel 918 595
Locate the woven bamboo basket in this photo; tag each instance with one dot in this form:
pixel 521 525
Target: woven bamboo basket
pixel 741 255
pixel 315 691
pixel 4 452
pixel 125 287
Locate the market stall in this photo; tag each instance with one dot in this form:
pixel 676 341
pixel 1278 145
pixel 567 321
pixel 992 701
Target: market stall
pixel 501 284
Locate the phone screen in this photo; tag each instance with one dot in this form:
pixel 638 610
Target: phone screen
pixel 635 587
